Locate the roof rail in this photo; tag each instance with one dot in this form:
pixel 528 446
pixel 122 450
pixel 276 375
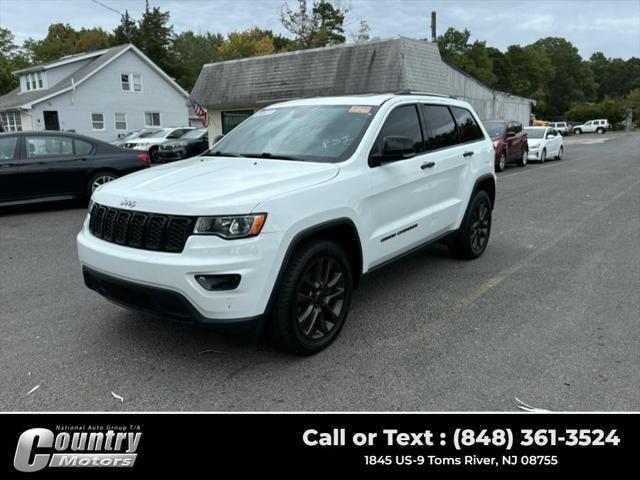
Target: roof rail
pixel 431 94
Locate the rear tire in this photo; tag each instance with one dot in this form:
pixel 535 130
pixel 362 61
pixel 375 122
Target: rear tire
pixel 472 238
pixel 560 153
pixel 600 131
pixel 502 162
pixel 523 159
pixel 313 299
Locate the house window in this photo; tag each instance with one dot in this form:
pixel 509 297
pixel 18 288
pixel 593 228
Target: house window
pixel 27 82
pixel 120 121
pixel 11 120
pixel 231 120
pixel 39 78
pixel 131 82
pixel 97 121
pixel 124 81
pixel 32 76
pixel 151 119
pixel 137 83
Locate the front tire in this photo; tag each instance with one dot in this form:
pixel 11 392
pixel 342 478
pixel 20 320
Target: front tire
pixel 577 131
pixel 472 238
pixel 543 155
pixel 154 155
pixel 313 300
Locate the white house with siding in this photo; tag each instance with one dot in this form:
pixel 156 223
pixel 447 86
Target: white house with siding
pixel 102 94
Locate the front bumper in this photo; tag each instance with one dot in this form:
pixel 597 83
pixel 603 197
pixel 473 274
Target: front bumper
pixel 172 276
pixel 534 154
pixel 170 155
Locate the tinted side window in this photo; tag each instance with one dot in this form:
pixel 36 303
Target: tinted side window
pixel 511 127
pixel 469 129
pixel 82 147
pixel 404 122
pixel 440 125
pixel 8 148
pixel 518 127
pixel 48 146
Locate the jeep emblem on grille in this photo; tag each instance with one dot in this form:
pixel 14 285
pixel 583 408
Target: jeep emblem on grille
pixel 128 203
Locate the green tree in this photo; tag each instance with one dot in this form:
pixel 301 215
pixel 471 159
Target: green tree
pixel 473 58
pixel 154 35
pixel 572 80
pixel 89 40
pixel 611 108
pixel 249 43
pixel 318 25
pixel 60 41
pixel 189 53
pixel 11 58
pixel 526 71
pixel 126 31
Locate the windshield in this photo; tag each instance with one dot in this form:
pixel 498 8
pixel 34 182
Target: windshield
pixel 535 132
pixel 494 129
pixel 147 133
pixel 160 133
pixel 197 133
pixel 317 133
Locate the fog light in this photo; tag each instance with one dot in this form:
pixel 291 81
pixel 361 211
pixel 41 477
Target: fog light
pixel 218 283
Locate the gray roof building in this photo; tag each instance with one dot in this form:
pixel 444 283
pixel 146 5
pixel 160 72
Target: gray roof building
pixel 381 66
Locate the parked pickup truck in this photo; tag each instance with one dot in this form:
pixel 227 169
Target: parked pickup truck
pixel 275 225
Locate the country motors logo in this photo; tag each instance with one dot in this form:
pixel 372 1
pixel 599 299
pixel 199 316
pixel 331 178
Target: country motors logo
pixel 77 446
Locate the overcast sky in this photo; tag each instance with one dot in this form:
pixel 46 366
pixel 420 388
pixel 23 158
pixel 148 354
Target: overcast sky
pixel 611 26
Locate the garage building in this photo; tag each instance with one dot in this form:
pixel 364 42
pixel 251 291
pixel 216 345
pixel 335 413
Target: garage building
pixel 232 90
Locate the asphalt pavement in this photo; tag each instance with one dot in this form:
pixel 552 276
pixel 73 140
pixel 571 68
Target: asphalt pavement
pixel 549 315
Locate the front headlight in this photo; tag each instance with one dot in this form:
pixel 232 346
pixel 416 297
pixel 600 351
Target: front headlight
pixel 496 143
pixel 534 147
pixel 229 227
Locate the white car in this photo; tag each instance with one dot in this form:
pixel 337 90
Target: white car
pixel 151 143
pixel 275 225
pixel 593 126
pixel 561 127
pixel 544 143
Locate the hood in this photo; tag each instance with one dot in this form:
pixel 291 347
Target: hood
pixel 212 185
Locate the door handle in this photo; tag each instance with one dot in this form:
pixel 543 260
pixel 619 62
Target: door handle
pixel 426 165
pixel 467 154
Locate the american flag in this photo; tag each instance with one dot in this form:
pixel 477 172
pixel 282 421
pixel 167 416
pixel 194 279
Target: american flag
pixel 201 112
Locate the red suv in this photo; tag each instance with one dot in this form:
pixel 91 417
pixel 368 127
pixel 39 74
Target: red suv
pixel 509 142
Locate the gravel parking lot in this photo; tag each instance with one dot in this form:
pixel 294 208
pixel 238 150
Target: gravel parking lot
pixel 550 315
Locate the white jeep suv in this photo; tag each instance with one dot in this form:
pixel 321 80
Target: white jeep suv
pixel 275 225
pixel 592 126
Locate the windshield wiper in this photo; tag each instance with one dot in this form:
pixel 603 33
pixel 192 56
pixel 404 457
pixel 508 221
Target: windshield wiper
pixel 270 155
pixel 218 153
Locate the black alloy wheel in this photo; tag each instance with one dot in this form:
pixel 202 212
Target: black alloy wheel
pixel 472 237
pixel 313 298
pixel 321 292
pixel 480 226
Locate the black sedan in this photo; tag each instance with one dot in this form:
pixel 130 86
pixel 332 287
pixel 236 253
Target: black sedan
pixel 43 166
pixel 189 145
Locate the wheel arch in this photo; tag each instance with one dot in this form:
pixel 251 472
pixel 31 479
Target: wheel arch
pixel 343 231
pixel 488 184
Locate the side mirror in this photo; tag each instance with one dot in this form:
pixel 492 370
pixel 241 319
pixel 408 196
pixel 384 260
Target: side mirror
pixel 394 148
pixel 551 135
pixel 511 134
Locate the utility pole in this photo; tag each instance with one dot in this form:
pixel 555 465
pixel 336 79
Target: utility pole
pixel 433 27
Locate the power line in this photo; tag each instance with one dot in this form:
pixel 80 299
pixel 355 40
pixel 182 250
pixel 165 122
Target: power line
pixel 107 7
